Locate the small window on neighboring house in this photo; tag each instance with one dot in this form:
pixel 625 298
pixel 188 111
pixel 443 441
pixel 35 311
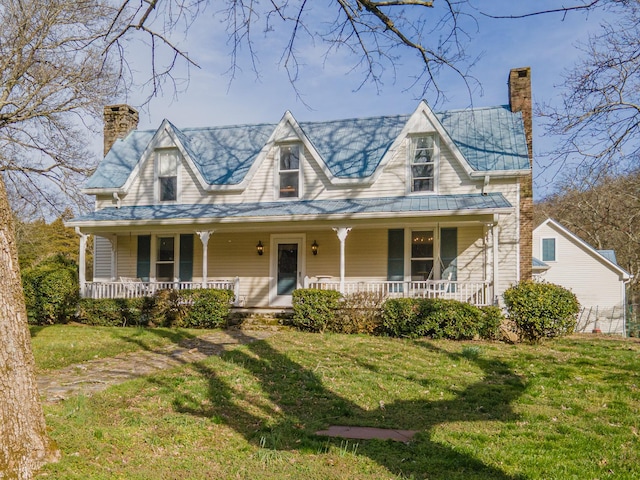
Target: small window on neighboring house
pixel 289 171
pixel 548 249
pixel 167 175
pixel 423 164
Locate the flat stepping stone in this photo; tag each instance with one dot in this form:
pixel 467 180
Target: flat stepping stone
pixel 368 433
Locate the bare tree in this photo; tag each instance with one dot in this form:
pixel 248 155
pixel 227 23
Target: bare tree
pixel 598 120
pixel 52 76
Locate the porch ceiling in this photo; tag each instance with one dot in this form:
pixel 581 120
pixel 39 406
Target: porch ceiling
pixel 429 205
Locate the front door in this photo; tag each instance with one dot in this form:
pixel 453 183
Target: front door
pixel 286 268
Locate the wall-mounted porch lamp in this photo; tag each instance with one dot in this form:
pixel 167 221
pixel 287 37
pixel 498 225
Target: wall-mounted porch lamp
pixel 260 247
pixel 314 247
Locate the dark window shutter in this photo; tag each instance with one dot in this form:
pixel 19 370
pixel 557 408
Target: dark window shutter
pixel 395 259
pixel 144 257
pixel 449 253
pixel 186 257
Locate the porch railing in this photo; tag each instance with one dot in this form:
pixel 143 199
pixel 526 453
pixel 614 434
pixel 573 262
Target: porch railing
pixel 137 289
pixel 475 293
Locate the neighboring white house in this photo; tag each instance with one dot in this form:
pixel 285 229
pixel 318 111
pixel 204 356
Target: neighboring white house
pixel 422 204
pixel 562 258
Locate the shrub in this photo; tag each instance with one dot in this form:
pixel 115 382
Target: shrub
pixel 205 308
pixel 401 317
pixel 439 318
pixel 541 310
pixel 51 291
pixel 491 320
pixel 114 312
pixel 359 312
pixel 313 309
pixel 199 308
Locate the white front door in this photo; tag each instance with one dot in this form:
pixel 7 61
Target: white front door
pixel 287 268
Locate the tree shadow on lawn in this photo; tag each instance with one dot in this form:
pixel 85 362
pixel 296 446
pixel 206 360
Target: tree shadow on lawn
pixel 298 397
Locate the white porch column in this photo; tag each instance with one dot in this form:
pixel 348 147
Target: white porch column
pixel 82 262
pixel 204 238
pixel 496 270
pixel 342 236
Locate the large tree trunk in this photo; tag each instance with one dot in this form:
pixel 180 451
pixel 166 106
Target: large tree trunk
pixel 24 445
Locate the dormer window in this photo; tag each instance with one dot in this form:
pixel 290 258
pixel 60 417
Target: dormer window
pixel 289 171
pixel 167 169
pixel 423 164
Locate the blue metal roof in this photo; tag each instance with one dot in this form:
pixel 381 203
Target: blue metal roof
pixel 538 263
pixel 467 203
pixel 490 139
pixel 609 255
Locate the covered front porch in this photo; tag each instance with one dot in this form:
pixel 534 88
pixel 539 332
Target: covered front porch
pixel 436 258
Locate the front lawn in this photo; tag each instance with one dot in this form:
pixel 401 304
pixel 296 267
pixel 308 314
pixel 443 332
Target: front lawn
pixel 56 346
pixel 562 410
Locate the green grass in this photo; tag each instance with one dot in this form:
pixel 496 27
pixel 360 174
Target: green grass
pixel 57 346
pixel 567 409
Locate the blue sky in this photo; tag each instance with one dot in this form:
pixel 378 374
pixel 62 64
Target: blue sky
pixel 330 89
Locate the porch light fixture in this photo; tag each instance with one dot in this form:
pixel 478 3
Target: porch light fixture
pixel 314 247
pixel 260 247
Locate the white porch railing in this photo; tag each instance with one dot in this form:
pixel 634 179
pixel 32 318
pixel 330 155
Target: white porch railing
pixel 475 293
pixel 137 289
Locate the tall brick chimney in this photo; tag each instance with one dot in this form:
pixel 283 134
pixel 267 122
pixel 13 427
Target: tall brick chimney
pixel 119 120
pixel 520 101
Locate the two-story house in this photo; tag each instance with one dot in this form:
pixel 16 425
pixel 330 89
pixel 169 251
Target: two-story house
pixel 423 204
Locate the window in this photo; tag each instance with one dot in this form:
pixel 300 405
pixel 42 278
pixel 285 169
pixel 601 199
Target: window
pixel 548 249
pixel 165 259
pixel 289 171
pixel 167 169
pixel 421 255
pixel 423 164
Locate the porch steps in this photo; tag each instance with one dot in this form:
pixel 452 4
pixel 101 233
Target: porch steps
pixel 260 319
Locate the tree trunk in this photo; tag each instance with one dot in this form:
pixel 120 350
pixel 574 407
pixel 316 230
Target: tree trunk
pixel 24 445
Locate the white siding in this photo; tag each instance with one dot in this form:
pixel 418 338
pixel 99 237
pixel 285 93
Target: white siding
pixel 599 289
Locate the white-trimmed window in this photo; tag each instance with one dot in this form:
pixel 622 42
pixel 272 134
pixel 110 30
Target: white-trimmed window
pixel 167 174
pixel 289 171
pixel 422 163
pixel 548 247
pixel 165 259
pixel 421 255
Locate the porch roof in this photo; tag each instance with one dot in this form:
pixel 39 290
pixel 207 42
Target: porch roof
pixel 463 204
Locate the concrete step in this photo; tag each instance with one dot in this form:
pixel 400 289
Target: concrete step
pixel 260 319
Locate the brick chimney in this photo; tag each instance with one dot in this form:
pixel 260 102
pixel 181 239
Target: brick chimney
pixel 119 120
pixel 520 101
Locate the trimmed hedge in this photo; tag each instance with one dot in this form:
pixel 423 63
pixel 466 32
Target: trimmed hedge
pixel 541 310
pixel 197 308
pixel 326 310
pixel 313 309
pixel 51 291
pixel 439 318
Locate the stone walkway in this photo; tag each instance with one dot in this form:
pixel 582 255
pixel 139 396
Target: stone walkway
pixel 97 375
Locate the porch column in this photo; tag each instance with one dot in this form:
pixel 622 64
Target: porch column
pixel 496 262
pixel 204 238
pixel 82 267
pixel 342 236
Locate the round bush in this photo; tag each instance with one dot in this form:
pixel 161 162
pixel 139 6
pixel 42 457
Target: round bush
pixel 313 309
pixel 541 310
pixel 51 292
